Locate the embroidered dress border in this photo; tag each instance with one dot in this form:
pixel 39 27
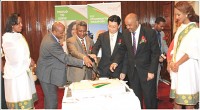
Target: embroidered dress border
pixel 181 36
pixel 26 104
pixel 184 99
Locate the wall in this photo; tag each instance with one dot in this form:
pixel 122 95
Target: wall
pixel 37 16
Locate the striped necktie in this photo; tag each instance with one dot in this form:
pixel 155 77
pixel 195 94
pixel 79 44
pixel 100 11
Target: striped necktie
pixel 83 45
pixel 134 43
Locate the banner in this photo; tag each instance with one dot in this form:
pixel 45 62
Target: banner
pixel 69 14
pixel 98 17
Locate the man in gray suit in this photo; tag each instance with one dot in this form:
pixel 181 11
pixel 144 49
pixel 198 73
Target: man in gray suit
pixel 79 46
pixel 51 65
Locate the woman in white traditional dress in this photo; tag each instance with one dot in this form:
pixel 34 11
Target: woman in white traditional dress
pixel 20 92
pixel 185 65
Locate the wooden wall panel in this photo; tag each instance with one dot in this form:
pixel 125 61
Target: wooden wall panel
pixel 38 16
pixel 168 15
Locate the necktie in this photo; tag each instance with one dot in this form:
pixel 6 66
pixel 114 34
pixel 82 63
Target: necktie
pixel 159 39
pixel 83 45
pixel 134 43
pixel 112 43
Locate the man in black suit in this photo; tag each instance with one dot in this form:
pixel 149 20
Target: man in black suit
pixel 109 42
pixel 143 53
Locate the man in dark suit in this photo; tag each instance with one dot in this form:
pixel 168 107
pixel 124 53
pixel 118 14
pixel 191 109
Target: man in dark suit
pixel 143 53
pixel 158 27
pixel 109 42
pixel 51 65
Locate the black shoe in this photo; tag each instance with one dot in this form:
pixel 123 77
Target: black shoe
pixel 196 106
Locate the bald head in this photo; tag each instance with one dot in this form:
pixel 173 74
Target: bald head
pixel 131 22
pixel 57 25
pixel 58 29
pixel 132 16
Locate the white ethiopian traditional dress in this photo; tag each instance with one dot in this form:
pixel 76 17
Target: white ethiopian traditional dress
pixel 20 92
pixel 185 82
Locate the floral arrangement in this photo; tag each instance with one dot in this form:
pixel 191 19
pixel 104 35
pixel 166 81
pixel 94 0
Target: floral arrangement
pixel 143 40
pixel 119 42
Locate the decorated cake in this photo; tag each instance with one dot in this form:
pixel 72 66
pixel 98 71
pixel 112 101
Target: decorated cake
pixel 102 94
pixel 88 88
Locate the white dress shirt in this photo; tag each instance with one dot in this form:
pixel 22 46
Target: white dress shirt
pixel 137 33
pixel 113 38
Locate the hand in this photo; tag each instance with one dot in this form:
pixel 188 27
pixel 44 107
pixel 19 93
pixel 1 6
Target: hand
pixel 122 76
pixel 168 68
pixel 161 59
pixel 150 76
pixel 171 65
pixel 113 66
pixel 93 56
pixel 94 76
pixel 175 67
pixel 87 61
pixel 32 64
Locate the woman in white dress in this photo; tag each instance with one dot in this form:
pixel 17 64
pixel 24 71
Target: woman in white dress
pixel 185 63
pixel 20 92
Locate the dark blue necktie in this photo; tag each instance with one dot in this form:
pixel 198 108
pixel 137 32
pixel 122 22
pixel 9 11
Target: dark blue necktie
pixel 134 43
pixel 159 39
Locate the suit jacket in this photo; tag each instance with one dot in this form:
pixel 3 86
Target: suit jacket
pixel 164 46
pixel 52 62
pixel 147 55
pixel 75 49
pixel 103 42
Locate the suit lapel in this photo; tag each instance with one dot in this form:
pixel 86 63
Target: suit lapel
pixel 139 46
pixel 79 43
pixel 129 40
pixel 87 44
pixel 107 42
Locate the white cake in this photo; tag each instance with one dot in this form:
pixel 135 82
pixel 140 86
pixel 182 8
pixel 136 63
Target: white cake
pixel 89 88
pixel 107 94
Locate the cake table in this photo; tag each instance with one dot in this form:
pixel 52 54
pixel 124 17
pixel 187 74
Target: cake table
pixel 109 94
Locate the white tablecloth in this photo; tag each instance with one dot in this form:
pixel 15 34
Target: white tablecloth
pixel 122 101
